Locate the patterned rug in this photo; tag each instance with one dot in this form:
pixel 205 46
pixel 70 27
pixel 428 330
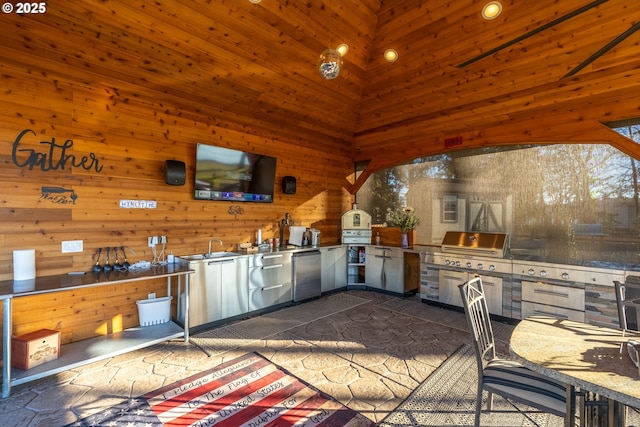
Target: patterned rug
pixel 448 398
pixel 249 391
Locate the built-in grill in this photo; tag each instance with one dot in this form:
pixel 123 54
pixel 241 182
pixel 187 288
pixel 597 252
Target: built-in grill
pixel 356 227
pixel 466 254
pixel 495 245
pixel 474 251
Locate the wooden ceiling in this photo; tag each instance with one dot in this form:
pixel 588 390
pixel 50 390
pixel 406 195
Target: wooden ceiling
pixel 544 70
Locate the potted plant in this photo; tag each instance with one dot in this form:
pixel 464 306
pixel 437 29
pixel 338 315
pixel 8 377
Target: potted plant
pixel 406 219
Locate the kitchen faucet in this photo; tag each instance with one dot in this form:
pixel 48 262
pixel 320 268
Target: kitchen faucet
pixel 209 251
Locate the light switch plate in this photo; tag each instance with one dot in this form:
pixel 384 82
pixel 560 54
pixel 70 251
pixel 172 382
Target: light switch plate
pixel 69 246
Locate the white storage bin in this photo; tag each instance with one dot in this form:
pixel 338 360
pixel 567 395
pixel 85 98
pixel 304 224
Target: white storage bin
pixel 154 311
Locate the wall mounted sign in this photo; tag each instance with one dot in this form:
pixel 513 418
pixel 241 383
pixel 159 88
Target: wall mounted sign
pixel 138 204
pixel 54 156
pixel 235 210
pixel 58 195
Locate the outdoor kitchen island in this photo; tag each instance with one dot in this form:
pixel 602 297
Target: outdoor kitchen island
pixel 521 285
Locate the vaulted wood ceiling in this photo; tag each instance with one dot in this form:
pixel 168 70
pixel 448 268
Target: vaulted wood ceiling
pixel 565 67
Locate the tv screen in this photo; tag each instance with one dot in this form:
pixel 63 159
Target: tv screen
pixel 226 174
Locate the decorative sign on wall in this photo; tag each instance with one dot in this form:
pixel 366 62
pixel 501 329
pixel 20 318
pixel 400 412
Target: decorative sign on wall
pixel 54 156
pixel 58 195
pixel 235 211
pixel 138 204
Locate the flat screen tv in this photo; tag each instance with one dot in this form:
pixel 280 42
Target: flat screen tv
pixel 238 176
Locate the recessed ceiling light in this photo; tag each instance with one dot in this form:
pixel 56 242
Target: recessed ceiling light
pixel 390 55
pixel 491 10
pixel 343 49
pixel 255 1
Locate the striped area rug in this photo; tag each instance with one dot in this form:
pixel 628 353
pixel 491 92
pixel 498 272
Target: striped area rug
pixel 249 391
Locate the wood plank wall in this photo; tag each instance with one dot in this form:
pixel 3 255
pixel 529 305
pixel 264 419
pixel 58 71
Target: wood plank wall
pixel 104 110
pixel 134 83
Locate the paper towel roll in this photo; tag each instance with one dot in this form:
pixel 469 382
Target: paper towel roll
pixel 24 264
pixel 295 235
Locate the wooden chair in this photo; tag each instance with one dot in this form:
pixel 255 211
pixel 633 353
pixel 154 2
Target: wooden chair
pixel 501 376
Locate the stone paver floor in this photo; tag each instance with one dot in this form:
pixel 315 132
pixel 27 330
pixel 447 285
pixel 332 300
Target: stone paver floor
pixel 368 357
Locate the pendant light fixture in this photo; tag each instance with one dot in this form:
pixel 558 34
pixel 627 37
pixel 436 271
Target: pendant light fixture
pixel 330 61
pixel 329 64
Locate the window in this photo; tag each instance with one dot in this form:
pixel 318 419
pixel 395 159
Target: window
pixel 449 209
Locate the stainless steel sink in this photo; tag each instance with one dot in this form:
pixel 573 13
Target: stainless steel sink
pixel 212 255
pixel 219 254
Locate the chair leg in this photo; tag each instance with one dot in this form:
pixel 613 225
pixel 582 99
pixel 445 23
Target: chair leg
pixel 490 401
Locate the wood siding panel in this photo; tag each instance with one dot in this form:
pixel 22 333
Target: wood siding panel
pixel 135 83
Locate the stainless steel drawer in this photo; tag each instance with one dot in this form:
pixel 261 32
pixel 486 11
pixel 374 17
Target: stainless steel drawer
pixel 554 295
pixel 268 259
pixel 534 309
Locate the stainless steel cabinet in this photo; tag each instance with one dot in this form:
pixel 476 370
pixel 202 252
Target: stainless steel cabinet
pixel 448 282
pixel 269 280
pixel 334 268
pixel 449 293
pixel 554 300
pixel 218 290
pixel 235 287
pixel 205 290
pixel 385 268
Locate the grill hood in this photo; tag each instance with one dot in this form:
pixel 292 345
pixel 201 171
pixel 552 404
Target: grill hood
pixel 495 245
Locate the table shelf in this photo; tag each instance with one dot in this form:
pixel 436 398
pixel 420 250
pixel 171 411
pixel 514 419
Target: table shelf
pixel 91 350
pixel 83 352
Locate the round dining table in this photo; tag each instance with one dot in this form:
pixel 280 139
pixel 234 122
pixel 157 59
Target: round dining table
pixel 588 358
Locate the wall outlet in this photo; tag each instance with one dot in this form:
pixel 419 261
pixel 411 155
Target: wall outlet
pixel 69 246
pixel 152 295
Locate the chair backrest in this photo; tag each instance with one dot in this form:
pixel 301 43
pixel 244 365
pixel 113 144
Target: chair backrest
pixel 628 302
pixel 477 313
pixel 622 316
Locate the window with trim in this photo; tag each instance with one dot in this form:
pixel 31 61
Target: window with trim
pixel 449 209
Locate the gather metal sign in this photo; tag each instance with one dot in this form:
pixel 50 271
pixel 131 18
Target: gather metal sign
pixel 53 157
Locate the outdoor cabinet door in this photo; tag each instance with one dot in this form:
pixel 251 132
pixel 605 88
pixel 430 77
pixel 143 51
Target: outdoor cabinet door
pixel 213 291
pixel 334 268
pixel 340 266
pixel 235 287
pixel 393 272
pixel 448 282
pixel 373 271
pixel 327 274
pixel 385 269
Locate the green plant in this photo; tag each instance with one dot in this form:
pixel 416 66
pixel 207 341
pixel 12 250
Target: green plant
pixel 406 219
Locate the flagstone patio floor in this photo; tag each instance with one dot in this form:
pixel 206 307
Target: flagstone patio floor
pixel 369 353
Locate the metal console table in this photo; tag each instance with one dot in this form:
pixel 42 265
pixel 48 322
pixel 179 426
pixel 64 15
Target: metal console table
pixel 91 350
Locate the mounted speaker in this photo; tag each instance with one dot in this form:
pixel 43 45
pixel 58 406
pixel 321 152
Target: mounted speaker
pixel 289 185
pixel 174 172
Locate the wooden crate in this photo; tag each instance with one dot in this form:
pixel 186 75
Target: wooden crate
pixel 35 348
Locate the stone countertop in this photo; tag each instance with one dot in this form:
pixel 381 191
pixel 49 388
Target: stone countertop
pixel 584 355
